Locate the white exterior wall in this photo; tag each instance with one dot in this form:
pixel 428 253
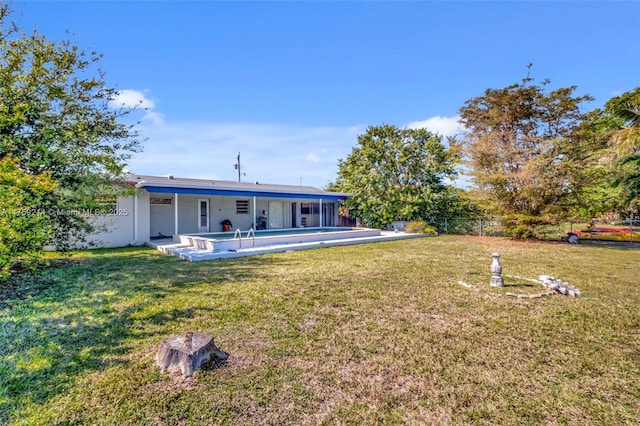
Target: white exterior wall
pixel 225 208
pixel 188 213
pixel 144 217
pixel 129 225
pixel 137 221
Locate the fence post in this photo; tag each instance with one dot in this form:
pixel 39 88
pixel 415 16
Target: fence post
pixel 481 227
pixel 446 227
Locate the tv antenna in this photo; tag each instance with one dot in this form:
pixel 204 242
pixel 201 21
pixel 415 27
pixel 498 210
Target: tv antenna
pixel 238 167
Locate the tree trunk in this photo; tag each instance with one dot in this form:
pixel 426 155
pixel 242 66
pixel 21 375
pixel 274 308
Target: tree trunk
pixel 187 352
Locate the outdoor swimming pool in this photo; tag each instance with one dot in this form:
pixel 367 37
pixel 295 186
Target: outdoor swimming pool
pixel 238 240
pixel 223 245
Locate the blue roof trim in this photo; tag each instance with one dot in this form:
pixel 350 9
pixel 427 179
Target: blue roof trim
pixel 242 193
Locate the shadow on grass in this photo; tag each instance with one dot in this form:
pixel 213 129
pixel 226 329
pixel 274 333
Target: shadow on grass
pixel 518 285
pixel 615 245
pixel 86 314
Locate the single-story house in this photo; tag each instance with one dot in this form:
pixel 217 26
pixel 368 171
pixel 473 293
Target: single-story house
pixel 169 206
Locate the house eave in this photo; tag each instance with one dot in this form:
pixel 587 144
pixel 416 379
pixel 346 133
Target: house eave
pixel 181 188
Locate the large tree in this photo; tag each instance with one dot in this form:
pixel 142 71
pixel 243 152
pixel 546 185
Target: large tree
pixel 397 174
pixel 521 144
pixel 610 171
pixel 625 145
pixel 56 120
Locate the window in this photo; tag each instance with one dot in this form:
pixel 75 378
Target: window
pixel 204 213
pixel 160 201
pixel 310 208
pixel 242 206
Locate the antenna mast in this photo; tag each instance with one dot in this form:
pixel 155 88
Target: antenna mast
pixel 239 168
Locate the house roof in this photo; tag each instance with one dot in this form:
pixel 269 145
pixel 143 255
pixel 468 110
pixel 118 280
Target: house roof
pixel 170 184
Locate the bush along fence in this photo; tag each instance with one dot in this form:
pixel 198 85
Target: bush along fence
pixel 466 226
pixel 623 230
pixel 456 226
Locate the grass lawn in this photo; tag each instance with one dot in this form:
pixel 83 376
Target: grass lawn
pixel 376 333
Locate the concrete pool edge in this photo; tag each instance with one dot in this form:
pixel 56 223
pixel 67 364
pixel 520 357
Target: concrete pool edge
pixel 193 254
pixel 272 238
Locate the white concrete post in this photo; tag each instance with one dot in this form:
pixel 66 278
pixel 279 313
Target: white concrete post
pixel 135 218
pixel 175 210
pixel 496 271
pixel 255 214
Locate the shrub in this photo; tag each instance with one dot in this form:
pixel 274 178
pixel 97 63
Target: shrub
pixel 419 227
pixel 24 227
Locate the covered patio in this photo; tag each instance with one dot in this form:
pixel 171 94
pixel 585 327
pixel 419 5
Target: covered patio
pixel 179 206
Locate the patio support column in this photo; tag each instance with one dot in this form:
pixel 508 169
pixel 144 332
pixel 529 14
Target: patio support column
pixel 135 218
pixel 175 213
pixel 320 211
pixel 255 214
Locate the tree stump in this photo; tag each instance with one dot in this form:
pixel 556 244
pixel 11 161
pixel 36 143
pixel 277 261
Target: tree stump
pixel 187 352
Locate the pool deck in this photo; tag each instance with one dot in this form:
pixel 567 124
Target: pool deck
pixel 192 254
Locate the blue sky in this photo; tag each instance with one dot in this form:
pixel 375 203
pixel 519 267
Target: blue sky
pixel 290 85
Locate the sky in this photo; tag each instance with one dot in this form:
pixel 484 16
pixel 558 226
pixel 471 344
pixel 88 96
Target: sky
pixel 290 85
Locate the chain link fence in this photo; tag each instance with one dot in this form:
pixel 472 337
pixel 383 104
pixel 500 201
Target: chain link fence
pixel 465 226
pixel 624 230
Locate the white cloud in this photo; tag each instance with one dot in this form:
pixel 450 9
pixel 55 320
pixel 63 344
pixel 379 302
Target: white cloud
pixel 269 153
pixel 153 116
pixel 277 154
pixel 313 157
pixel 445 126
pixel 129 98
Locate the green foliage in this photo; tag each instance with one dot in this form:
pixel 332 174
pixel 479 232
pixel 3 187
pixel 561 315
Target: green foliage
pixel 397 174
pixel 55 118
pixel 626 146
pixel 523 151
pixel 522 226
pixel 24 226
pixel 607 167
pixel 628 180
pixel 420 227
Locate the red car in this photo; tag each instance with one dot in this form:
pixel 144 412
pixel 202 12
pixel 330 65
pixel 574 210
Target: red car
pixel 598 233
